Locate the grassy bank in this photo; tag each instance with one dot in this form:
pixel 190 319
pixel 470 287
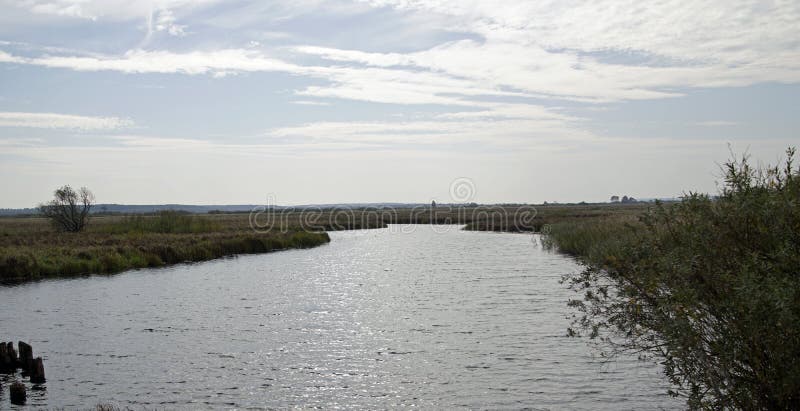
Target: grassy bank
pixel 596 240
pixel 544 218
pixel 30 249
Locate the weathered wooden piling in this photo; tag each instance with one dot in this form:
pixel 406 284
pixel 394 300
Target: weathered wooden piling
pixel 33 368
pixel 18 394
pixel 5 361
pixel 8 357
pixel 25 357
pixel 37 371
pixel 12 354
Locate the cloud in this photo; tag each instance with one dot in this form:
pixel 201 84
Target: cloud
pixel 727 31
pixel 366 84
pixel 219 62
pixel 586 51
pixel 54 120
pixel 382 85
pixel 165 21
pixel 257 148
pixel 473 126
pixel 532 69
pixel 11 143
pixel 8 58
pixel 310 103
pixel 468 135
pixel 583 49
pixel 717 123
pixel 508 111
pixel 110 9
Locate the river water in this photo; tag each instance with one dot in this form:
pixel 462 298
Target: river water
pixel 424 316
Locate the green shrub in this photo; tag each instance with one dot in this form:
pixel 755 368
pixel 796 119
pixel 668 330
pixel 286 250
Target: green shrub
pixel 710 286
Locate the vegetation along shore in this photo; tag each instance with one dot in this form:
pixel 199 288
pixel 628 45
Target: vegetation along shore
pixel 709 287
pixel 31 248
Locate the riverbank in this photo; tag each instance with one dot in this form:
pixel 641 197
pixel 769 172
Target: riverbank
pixel 30 249
pixel 593 241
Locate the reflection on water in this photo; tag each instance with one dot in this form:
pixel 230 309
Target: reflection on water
pixel 406 316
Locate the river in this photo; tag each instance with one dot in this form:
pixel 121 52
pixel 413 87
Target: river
pixel 425 316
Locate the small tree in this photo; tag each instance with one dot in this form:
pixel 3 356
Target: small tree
pixel 69 209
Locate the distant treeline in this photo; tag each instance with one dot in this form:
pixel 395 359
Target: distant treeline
pixel 120 209
pixel 113 209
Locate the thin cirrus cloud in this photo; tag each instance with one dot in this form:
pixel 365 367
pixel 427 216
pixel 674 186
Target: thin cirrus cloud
pixel 65 121
pixel 704 31
pixel 537 47
pixel 218 63
pixel 717 123
pixel 371 84
pixel 538 71
pixel 543 49
pixel 310 103
pixel 105 9
pixel 587 51
pixel 520 134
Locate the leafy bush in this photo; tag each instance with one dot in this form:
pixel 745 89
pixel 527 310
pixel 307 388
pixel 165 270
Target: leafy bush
pixel 711 287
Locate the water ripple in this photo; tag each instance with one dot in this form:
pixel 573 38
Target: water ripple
pixel 376 319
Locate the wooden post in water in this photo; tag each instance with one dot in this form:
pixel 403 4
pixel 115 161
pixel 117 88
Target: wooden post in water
pixel 37 371
pixel 11 351
pixel 12 354
pixel 5 362
pixel 25 357
pixel 18 394
pixel 30 367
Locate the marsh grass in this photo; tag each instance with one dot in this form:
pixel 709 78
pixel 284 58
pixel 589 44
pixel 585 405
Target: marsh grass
pixel 163 222
pixel 30 249
pixel 593 240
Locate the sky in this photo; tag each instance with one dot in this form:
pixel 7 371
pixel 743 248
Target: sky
pixel 316 101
